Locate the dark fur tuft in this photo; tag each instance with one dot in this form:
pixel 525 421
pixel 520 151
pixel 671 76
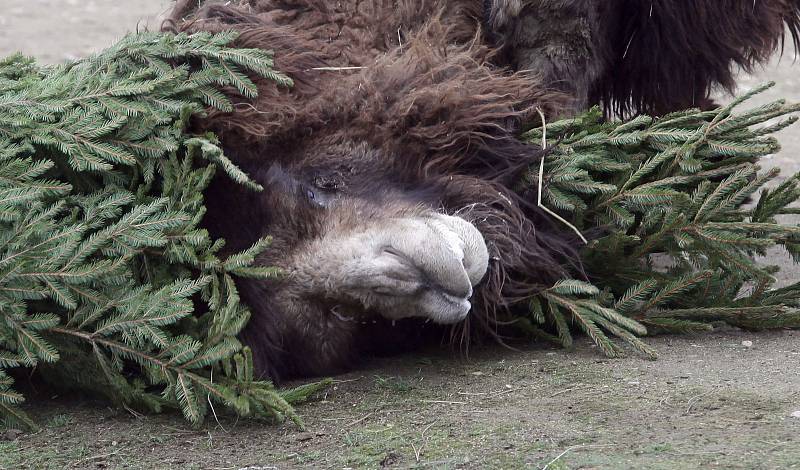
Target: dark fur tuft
pixel 671 54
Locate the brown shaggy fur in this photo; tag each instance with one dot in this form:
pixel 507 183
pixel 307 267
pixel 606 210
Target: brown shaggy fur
pixel 424 117
pixel 651 56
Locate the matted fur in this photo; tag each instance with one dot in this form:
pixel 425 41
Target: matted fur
pixel 671 54
pixel 642 56
pixel 403 107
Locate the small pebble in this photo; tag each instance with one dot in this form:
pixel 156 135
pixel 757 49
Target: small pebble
pixel 304 436
pixel 796 414
pixel 747 344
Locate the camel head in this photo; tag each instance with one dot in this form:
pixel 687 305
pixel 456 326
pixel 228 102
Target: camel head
pixel 361 244
pixel 389 201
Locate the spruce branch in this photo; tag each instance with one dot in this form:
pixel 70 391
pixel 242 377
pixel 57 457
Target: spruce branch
pixel 107 282
pixel 679 239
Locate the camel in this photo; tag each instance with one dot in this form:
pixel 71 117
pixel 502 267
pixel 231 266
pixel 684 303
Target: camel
pixel 392 168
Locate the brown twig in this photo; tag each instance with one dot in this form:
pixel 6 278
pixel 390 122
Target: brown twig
pixel 418 452
pixel 445 402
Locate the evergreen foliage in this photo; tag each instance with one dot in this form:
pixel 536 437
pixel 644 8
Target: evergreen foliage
pixel 676 236
pixel 104 270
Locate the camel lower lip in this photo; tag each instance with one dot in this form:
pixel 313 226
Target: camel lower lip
pixel 457 301
pixel 446 308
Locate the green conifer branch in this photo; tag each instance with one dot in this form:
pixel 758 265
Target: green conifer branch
pixel 101 253
pixel 678 237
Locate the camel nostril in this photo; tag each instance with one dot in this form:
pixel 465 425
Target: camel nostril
pixel 395 253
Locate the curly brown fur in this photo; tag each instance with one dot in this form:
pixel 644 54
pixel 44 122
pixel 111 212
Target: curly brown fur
pixel 672 54
pixel 556 38
pixel 639 56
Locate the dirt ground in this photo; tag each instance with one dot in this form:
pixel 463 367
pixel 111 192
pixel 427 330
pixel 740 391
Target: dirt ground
pixel 709 401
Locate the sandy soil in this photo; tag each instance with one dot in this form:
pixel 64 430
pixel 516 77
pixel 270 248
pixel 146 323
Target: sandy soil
pixel 707 402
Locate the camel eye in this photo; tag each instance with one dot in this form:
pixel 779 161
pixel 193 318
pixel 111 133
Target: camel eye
pixel 326 188
pixel 319 199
